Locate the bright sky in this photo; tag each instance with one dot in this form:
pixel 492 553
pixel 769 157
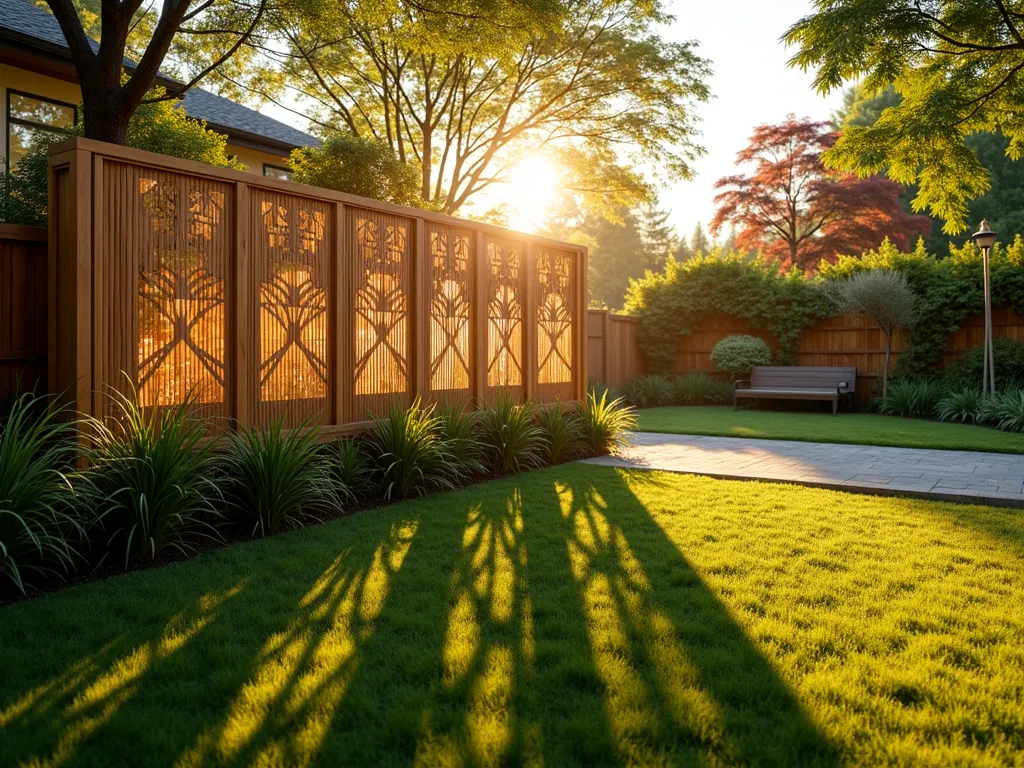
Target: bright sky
pixel 751 86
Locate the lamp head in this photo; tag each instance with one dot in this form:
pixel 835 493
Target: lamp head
pixel 984 237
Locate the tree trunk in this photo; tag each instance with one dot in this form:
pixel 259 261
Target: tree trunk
pixel 104 119
pixel 885 370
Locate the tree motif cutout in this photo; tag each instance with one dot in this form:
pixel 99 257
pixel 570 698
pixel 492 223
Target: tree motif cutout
pixel 504 318
pixel 449 312
pixel 180 301
pixel 293 323
pixel 293 306
pixel 382 312
pixel 554 318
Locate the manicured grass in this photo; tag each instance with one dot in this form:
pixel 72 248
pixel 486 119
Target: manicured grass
pixel 858 428
pixel 576 615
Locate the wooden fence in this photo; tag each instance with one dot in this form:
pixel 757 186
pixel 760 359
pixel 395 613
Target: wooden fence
pixel 22 309
pixel 272 300
pixel 614 355
pixel 844 340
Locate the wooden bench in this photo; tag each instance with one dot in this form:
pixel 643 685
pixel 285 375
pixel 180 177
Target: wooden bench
pixel 794 382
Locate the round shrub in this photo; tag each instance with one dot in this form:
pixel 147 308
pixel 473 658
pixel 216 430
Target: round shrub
pixel 966 371
pixel 739 354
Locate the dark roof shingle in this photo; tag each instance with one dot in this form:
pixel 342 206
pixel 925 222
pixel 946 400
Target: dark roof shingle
pixel 30 24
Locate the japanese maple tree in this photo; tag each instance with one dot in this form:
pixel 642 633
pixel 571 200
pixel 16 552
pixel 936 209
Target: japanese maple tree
pixel 794 209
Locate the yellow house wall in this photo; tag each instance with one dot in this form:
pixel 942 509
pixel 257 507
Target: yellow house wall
pixel 35 84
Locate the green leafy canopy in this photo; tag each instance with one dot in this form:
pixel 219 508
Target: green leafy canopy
pixel 957 66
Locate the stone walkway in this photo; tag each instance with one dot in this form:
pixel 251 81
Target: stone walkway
pixel 966 476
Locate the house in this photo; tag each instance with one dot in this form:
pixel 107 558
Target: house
pixel 39 92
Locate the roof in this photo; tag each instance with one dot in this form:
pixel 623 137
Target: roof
pixel 35 27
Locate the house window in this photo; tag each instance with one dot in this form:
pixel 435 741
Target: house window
pixel 277 172
pixel 30 118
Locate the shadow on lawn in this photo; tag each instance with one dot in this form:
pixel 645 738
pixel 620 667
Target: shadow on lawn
pixel 541 619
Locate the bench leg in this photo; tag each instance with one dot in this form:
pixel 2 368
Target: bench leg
pixel 835 406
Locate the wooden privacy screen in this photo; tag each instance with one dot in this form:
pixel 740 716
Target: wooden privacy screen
pixel 22 309
pixel 614 356
pixel 267 300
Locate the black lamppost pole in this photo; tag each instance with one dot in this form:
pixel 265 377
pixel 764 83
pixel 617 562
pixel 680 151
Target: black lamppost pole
pixel 985 238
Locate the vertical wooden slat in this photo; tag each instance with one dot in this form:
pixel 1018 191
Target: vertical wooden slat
pixel 99 340
pixel 420 316
pixel 530 318
pixel 582 352
pixel 478 331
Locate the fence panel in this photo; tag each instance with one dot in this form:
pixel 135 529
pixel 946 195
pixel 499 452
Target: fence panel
pixel 614 353
pixel 268 300
pixel 23 270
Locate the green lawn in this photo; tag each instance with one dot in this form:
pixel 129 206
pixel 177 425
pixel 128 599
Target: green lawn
pixel 859 428
pixel 576 615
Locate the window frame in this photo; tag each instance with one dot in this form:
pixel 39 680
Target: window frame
pixel 31 123
pixel 289 171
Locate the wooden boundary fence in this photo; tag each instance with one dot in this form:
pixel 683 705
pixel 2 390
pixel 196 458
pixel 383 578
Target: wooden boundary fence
pixel 614 357
pixel 22 309
pixel 843 340
pixel 270 300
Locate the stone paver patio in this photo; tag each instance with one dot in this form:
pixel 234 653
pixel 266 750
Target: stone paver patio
pixel 966 476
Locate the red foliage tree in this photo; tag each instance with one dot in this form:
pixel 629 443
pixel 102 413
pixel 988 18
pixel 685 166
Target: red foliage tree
pixel 795 210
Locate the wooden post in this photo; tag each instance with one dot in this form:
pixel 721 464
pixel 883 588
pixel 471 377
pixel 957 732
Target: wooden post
pixel 245 322
pixel 341 323
pixel 582 320
pixel 478 328
pixel 530 333
pixel 100 348
pixel 419 354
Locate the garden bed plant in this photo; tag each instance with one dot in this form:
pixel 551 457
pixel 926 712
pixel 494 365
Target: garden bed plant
pixel 149 489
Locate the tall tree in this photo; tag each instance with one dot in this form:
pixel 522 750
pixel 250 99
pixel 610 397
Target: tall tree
pixel 591 83
pixel 700 243
pixel 959 67
pixel 792 209
pixel 656 234
pixel 109 95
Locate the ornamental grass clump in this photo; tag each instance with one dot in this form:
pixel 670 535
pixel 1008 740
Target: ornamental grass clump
pixel 960 405
pixel 562 431
pixel 914 398
pixel 456 426
pixel 1005 410
pixel 276 479
pixel 605 424
pixel 410 455
pixel 694 388
pixel 351 468
pixel 149 485
pixel 737 355
pixel 648 391
pixel 509 436
pixel 39 527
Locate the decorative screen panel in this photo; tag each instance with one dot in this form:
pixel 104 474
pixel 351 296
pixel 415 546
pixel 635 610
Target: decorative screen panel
pixel 555 313
pixel 450 253
pixel 291 255
pixel 505 298
pixel 167 241
pixel 383 271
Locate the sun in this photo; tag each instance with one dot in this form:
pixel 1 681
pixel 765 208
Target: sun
pixel 531 191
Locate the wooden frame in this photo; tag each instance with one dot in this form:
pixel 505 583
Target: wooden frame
pixel 350 291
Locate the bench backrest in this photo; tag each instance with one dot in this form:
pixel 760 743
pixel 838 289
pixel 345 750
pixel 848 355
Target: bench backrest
pixel 803 377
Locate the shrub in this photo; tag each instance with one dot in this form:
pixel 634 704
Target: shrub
pixel 605 423
pixel 409 453
pixel 509 436
pixel 693 388
pixel 960 405
pixel 1005 410
pixel 351 469
pixel 562 432
pixel 38 525
pixel 648 391
pixel 149 486
pixel 915 398
pixel 276 478
pixel 456 427
pixel 965 371
pixel 737 355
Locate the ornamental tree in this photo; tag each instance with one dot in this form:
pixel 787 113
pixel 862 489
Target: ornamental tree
pixel 793 209
pixel 959 67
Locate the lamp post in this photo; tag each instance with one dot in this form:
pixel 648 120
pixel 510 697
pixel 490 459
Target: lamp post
pixel 985 238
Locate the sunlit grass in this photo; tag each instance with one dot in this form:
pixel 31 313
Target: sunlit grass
pixel 856 428
pixel 576 615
